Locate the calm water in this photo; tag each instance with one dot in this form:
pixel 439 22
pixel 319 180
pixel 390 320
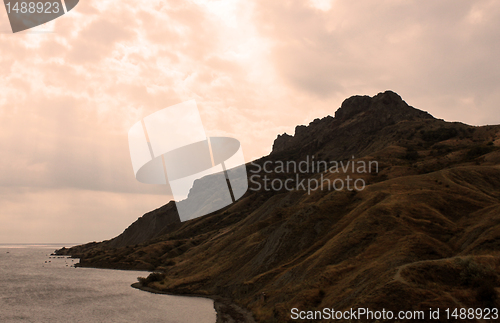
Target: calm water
pixel 36 288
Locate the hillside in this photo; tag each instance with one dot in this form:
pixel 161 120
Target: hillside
pixel 424 232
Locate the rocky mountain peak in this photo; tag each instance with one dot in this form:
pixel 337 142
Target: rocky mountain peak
pixel 357 116
pixel 382 106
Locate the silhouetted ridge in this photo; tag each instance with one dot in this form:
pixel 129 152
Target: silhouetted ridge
pixel 387 106
pixel 149 226
pixel 356 117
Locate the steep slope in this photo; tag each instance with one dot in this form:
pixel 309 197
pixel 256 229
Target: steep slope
pixel 151 225
pixel 424 232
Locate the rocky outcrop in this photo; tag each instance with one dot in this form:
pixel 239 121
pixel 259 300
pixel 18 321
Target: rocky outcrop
pixel 282 142
pixel 358 116
pixel 388 107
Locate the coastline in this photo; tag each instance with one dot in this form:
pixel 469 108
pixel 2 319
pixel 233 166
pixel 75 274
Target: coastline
pixel 227 311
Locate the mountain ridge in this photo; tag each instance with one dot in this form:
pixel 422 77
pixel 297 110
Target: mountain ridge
pixel 423 233
pixel 368 113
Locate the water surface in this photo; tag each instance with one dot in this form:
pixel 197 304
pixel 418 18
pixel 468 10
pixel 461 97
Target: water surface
pixel 37 287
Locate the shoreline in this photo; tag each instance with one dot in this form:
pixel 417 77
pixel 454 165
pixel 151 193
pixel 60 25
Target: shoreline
pixel 226 310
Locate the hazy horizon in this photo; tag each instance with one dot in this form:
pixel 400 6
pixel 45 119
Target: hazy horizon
pixel 71 89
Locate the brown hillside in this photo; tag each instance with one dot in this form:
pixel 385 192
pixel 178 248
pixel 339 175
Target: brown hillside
pixel 424 233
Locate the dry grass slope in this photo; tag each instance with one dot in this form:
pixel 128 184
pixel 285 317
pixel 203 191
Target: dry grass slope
pixel 424 233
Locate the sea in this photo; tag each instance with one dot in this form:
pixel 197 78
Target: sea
pixel 37 287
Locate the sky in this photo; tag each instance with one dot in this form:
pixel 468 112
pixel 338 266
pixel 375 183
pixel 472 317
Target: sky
pixel 71 89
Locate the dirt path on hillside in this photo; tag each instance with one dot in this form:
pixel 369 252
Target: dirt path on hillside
pixel 398 278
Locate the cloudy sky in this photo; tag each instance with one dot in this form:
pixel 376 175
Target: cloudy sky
pixel 71 89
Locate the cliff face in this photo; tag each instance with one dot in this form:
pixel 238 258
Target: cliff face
pixel 424 232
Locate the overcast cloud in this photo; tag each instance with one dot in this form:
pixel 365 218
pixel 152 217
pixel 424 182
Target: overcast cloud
pixel 256 69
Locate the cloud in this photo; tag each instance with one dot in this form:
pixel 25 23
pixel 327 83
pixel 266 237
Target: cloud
pixel 255 68
pixel 432 53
